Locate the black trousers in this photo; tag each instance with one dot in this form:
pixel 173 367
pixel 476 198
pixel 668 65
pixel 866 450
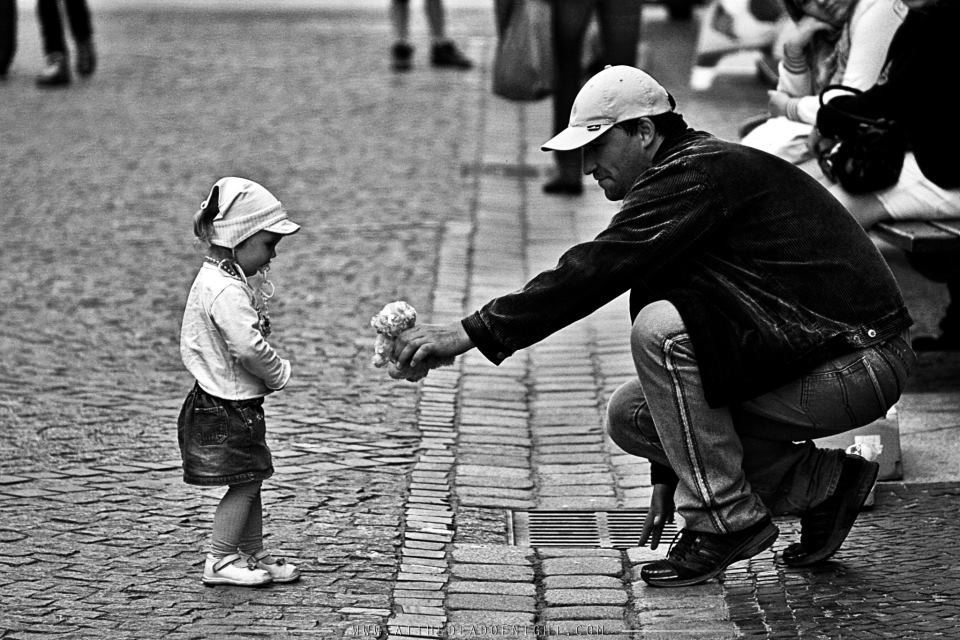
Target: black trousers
pixel 8 33
pixel 51 23
pixel 619 23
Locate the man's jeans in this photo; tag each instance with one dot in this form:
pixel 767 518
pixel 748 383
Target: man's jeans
pixel 740 463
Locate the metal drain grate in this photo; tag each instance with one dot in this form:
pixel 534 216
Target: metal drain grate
pixel 603 529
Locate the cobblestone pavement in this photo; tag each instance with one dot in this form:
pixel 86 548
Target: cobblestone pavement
pixel 396 499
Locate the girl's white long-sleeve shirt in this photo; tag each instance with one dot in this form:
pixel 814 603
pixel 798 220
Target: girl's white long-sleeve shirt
pixel 221 344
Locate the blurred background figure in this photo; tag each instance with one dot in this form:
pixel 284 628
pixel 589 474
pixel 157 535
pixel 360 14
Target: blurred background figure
pixel 8 35
pixel 443 52
pixel 914 92
pixel 618 23
pixel 835 42
pixel 57 70
pixel 728 27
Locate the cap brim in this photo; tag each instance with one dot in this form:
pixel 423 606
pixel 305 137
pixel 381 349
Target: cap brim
pixel 574 137
pixel 283 227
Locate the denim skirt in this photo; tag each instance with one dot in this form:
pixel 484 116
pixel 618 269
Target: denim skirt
pixel 222 441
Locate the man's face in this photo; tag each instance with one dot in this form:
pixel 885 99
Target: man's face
pixel 616 160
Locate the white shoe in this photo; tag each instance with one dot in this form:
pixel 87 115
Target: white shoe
pixel 233 570
pixel 278 569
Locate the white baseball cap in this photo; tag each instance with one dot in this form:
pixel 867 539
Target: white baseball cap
pixel 245 208
pixel 615 94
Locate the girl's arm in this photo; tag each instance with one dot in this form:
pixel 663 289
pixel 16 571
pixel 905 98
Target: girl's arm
pixel 871 32
pixel 236 318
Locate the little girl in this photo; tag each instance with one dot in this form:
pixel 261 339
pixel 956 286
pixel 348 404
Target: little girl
pixel 223 343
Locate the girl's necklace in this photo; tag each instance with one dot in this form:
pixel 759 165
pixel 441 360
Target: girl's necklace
pixel 265 290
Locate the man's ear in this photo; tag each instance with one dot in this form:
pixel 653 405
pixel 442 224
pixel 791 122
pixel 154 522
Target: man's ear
pixel 647 131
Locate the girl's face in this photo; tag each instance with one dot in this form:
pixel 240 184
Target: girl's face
pixel 829 11
pixel 257 251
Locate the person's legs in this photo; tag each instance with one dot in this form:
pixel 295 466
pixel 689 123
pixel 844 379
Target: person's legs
pixel 569 25
pixel 224 564
pixel 51 27
pixel 443 52
pixel 81 26
pixel 251 537
pixel 783 466
pixel 401 52
pixel 700 443
pixel 436 20
pixel 232 515
pixel 619 22
pixel 251 546
pixel 57 69
pixel 733 465
pixel 78 17
pixel 8 34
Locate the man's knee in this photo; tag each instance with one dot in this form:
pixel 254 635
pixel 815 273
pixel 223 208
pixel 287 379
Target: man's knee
pixel 624 419
pixel 654 325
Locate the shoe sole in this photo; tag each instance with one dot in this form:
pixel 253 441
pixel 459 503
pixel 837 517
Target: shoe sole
pixel 226 582
pixel 865 482
pixel 748 549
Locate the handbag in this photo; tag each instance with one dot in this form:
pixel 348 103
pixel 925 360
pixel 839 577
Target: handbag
pixel 868 154
pixel 523 64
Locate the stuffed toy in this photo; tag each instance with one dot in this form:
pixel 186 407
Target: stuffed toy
pixel 392 320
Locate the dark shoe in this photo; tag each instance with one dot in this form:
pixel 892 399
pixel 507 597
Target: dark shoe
pixel 86 58
pixel 824 528
pixel 943 342
pixel 697 557
pixel 56 73
pixel 446 54
pixel 563 186
pixel 402 56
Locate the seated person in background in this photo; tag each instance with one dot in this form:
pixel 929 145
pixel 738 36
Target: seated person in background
pixel 915 91
pixel 842 42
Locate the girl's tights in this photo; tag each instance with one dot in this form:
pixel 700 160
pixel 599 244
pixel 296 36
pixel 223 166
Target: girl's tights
pixel 238 522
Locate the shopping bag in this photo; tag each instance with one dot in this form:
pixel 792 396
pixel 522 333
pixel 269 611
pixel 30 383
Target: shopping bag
pixel 523 65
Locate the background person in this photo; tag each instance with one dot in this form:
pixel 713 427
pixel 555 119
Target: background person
pixel 443 52
pixel 832 42
pixel 913 92
pixel 8 35
pixel 619 30
pixel 57 70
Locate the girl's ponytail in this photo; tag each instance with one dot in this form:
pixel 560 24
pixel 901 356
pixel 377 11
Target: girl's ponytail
pixel 203 219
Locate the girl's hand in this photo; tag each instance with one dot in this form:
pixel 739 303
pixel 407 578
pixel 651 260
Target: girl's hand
pixel 660 513
pixel 797 35
pixel 777 103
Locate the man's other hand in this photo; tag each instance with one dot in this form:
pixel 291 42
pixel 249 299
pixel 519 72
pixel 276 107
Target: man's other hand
pixel 660 513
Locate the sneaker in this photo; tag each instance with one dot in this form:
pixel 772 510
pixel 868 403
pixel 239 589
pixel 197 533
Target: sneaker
pixel 86 58
pixel 697 556
pixel 278 568
pixel 824 528
pixel 446 54
pixel 56 73
pixel 233 570
pixel 402 55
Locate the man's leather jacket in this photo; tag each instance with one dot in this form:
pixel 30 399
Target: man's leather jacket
pixel 769 272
